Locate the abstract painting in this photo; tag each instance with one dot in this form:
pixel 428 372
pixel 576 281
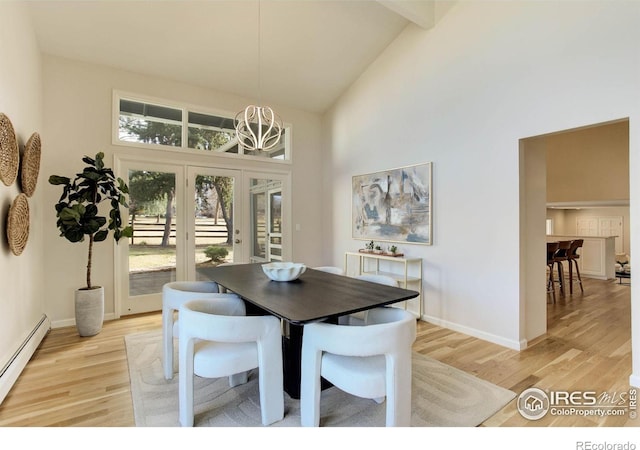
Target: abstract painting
pixel 393 205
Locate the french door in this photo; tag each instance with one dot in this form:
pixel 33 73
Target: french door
pixel 188 219
pixel 184 222
pixel 215 231
pixel 155 254
pixel 266 219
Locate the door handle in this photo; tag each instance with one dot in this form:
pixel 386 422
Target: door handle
pixel 237 241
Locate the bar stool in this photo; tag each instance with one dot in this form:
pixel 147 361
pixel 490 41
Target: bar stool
pixel 561 255
pixel 572 257
pixel 552 247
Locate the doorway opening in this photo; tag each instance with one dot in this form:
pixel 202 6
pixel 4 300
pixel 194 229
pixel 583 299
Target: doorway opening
pixel 568 176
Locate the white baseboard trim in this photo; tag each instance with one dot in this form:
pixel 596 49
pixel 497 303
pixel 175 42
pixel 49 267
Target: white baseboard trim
pixel 16 365
pixel 63 323
pixel 634 380
pixel 509 343
pixel 72 322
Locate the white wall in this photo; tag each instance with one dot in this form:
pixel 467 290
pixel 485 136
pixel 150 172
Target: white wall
pixel 462 95
pixel 78 98
pixel 21 277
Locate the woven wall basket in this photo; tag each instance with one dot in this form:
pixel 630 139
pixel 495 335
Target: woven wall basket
pixel 18 224
pixel 30 165
pixel 9 152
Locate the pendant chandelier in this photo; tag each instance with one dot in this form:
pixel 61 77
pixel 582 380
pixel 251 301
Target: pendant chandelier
pixel 258 127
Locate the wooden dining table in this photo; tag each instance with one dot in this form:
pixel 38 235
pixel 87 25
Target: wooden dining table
pixel 314 296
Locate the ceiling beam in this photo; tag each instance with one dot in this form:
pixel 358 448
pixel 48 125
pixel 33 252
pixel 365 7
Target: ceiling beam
pixel 420 12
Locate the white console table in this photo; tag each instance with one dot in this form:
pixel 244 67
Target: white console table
pixel 406 271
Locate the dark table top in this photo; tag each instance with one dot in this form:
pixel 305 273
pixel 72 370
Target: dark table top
pixel 314 296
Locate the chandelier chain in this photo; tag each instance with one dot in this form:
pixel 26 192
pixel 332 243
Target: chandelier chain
pixel 259 53
pixel 258 127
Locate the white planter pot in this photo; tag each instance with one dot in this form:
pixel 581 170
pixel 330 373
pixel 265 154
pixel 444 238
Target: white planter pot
pixel 89 310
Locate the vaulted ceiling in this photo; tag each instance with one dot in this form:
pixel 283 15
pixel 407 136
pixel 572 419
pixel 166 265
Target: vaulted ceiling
pixel 310 51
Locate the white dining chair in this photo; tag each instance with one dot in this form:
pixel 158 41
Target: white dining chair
pixel 371 361
pixel 174 294
pixel 218 340
pixel 359 317
pixel 330 269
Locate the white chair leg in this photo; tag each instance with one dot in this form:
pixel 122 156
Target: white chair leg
pixel 270 378
pixel 310 388
pixel 167 342
pixel 185 384
pixel 398 386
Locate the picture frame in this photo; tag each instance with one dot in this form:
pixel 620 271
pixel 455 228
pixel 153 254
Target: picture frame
pixel 393 205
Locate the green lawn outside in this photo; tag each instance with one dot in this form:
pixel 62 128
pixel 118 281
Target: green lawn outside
pixel 143 258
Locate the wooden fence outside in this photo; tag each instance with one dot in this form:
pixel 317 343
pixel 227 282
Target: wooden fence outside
pixel 150 230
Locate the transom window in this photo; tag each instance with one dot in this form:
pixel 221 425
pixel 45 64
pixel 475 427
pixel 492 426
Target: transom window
pixel 143 123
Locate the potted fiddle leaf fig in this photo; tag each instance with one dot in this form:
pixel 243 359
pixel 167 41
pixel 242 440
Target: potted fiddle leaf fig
pixel 79 220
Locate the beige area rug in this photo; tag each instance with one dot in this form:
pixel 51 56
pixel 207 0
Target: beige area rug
pixel 442 396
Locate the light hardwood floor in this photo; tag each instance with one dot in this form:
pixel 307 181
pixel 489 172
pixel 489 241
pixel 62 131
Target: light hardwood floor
pixel 73 381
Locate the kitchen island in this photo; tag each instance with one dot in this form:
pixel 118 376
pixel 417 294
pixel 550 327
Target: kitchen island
pixel 597 255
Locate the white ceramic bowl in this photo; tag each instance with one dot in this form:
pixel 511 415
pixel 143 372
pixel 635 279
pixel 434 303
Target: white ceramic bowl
pixel 283 271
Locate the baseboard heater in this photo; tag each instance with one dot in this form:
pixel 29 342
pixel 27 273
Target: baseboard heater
pixel 16 364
